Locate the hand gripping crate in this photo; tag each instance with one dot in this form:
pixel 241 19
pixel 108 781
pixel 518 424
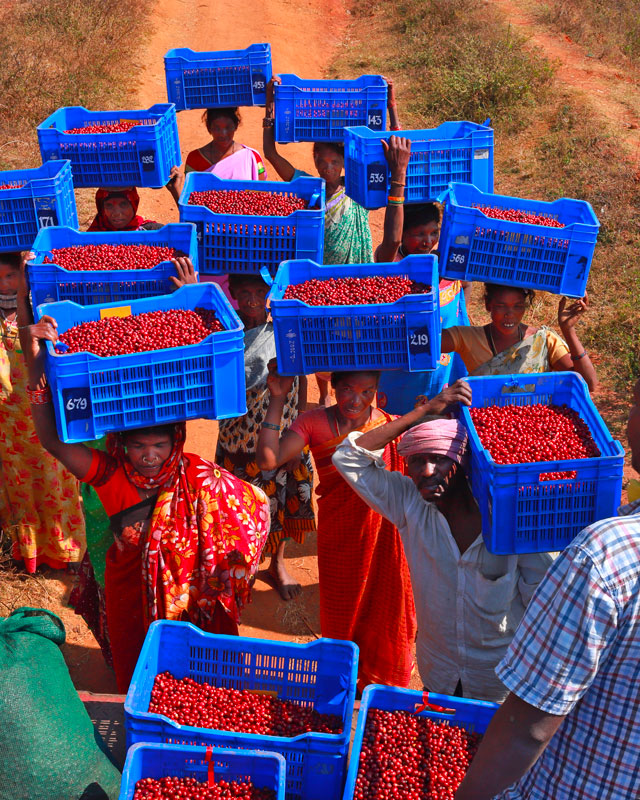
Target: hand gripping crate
pixel 454 151
pixel 143 156
pixel 245 243
pixel 94 395
pixel 401 335
pixel 475 247
pixel 264 770
pixel 37 198
pixel 472 715
pixel 320 110
pixel 321 674
pixel 520 512
pixel 220 78
pixel 50 283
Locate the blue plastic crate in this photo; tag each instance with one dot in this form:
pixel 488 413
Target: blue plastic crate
pixel 50 283
pixel 521 513
pixel 264 770
pixel 41 197
pixel 93 395
pixel 143 156
pixel 218 78
pixel 474 247
pixel 472 715
pixel 321 674
pixel 454 151
pixel 401 335
pixel 242 243
pixel 320 110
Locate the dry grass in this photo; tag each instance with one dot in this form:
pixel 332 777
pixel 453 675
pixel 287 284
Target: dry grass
pixel 456 59
pixel 610 30
pixel 57 53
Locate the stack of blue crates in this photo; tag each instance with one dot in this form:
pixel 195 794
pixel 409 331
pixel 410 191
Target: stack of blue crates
pixel 321 675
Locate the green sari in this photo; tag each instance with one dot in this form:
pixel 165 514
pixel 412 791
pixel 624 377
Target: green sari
pixel 347 236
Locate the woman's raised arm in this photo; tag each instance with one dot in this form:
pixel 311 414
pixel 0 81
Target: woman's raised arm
pixel 284 168
pixel 274 450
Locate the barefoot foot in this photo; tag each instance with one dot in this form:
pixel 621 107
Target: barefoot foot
pixel 287 587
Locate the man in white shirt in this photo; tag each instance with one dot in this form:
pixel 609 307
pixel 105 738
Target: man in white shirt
pixel 468 601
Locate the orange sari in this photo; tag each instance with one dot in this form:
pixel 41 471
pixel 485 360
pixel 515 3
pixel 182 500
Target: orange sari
pixel 365 587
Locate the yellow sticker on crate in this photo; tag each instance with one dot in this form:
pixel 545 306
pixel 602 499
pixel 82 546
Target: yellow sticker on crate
pixel 119 311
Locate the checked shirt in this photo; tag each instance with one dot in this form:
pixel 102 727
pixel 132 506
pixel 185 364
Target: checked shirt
pixel 577 653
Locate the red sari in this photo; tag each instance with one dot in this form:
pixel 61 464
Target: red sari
pixel 189 553
pixel 365 586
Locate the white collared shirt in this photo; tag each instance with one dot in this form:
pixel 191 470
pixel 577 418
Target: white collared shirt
pixel 468 606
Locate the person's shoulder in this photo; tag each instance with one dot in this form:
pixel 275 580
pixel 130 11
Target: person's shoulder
pixel 612 547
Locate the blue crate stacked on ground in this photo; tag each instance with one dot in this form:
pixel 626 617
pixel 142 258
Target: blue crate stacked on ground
pixel 50 283
pixel 35 198
pixel 454 151
pixel 472 715
pixel 401 335
pixel 142 156
pixel 218 78
pixel 264 770
pixel 475 247
pixel 321 674
pixel 244 243
pixel 520 512
pixel 94 395
pixel 320 110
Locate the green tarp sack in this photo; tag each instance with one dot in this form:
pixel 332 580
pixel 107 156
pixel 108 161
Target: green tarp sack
pixel 49 749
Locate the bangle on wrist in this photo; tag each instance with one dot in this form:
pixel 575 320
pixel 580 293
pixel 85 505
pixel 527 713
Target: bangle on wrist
pixel 398 183
pixel 395 201
pixel 395 128
pixel 270 426
pixel 39 397
pixel 578 357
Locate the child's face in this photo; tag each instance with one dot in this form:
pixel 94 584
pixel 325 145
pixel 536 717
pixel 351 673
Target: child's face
pixel 8 279
pixel 119 212
pixel 421 239
pixel 251 299
pixel 507 307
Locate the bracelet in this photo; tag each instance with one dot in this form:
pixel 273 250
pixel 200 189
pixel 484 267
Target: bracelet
pixel 395 128
pixel 268 122
pixel 39 397
pixel 271 426
pixel 398 183
pixel 395 201
pixel 577 358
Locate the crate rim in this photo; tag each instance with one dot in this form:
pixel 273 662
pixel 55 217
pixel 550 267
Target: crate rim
pixel 295 303
pixel 320 82
pixel 52 165
pixel 264 186
pixel 368 133
pixel 44 308
pixel 177 52
pixel 549 466
pixel 450 197
pixel 46 125
pixel 159 625
pixel 41 253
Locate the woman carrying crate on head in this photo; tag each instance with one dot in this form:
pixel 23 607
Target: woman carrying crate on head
pixel 40 505
pixel 188 535
pixel 365 588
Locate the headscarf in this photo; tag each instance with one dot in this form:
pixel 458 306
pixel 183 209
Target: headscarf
pixel 100 221
pixel 205 536
pixel 442 437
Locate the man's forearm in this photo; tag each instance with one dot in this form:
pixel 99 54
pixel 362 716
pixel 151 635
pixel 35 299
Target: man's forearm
pixel 515 739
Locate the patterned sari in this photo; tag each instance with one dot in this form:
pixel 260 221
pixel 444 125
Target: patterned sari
pixel 525 357
pixel 188 553
pixel 289 492
pixel 347 236
pixel 365 587
pixel 39 499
